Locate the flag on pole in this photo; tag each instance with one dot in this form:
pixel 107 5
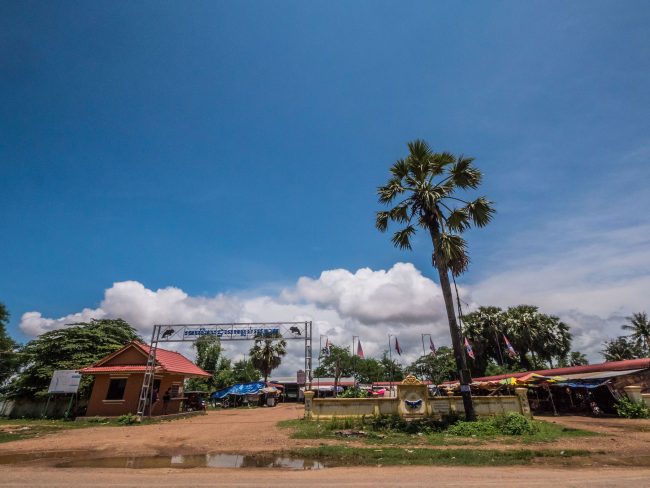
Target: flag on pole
pixel 326 350
pixel 398 349
pixel 360 350
pixel 511 350
pixel 432 348
pixel 468 348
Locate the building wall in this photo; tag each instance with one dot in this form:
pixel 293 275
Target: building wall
pixel 640 378
pixel 99 406
pixel 437 407
pixel 129 357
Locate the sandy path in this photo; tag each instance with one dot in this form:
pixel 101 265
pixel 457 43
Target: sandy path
pixel 254 430
pixel 242 430
pixel 411 476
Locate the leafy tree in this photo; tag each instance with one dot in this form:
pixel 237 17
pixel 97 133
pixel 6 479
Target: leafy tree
pixel 622 348
pixel 267 354
pixel 426 185
pixel 245 372
pixel 209 358
pixel 436 368
pixel 392 370
pixel 574 358
pixel 340 363
pixel 640 327
pixel 9 361
pixel 368 370
pixel 73 347
pixel 537 338
pixel 336 364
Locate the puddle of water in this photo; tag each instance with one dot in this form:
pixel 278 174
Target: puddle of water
pixel 74 459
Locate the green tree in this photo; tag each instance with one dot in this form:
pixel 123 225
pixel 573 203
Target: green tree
pixel 574 358
pixel 368 370
pixel 435 368
pixel 336 364
pixel 244 371
pixel 73 347
pixel 425 186
pixel 392 370
pixel 267 354
pixel 209 358
pixel 622 348
pixel 9 361
pixel 538 339
pixel 640 327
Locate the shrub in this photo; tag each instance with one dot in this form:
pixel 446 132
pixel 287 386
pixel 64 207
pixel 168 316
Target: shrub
pixel 514 424
pixel 478 428
pixel 127 419
pixel 630 409
pixel 508 424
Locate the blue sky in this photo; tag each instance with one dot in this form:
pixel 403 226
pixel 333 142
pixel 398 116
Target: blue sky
pixel 233 148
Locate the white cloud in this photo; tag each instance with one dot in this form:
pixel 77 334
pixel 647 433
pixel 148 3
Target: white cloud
pixel 592 278
pixel 366 303
pixel 401 294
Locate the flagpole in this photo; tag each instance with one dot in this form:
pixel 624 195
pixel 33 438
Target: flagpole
pixel 354 356
pixel 320 353
pixel 390 357
pixel 496 336
pixel 423 350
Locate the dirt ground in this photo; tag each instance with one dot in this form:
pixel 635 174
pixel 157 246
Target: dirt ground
pixel 623 459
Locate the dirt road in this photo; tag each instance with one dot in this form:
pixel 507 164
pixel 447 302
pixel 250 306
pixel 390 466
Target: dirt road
pixel 255 430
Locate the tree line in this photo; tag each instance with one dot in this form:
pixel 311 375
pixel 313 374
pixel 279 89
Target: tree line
pixel 540 341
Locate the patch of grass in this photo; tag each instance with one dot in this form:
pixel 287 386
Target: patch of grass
pixel 17 429
pixel 460 433
pixel 351 456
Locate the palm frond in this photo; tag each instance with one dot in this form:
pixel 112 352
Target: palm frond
pixel 458 220
pixel 464 175
pixel 402 238
pixel 400 213
pixel 419 151
pixel 400 169
pixel 450 251
pixel 388 192
pixel 480 211
pixel 381 222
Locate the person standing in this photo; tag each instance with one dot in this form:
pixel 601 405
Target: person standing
pixel 166 399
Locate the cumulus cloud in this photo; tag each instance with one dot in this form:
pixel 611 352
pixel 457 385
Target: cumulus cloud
pixel 583 274
pixel 367 303
pixel 401 294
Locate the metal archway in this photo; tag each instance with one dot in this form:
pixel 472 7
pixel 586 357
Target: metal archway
pixel 226 332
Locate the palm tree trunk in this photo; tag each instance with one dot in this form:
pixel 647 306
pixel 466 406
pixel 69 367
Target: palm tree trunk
pixel 456 341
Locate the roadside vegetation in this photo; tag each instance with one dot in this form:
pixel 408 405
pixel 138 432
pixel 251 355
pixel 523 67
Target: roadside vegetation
pixel 394 430
pixel 391 456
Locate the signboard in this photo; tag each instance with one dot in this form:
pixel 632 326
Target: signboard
pixel 65 381
pixel 301 377
pixel 232 333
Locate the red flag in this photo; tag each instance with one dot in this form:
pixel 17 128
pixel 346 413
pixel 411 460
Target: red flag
pixel 398 349
pixel 431 346
pixel 511 350
pixel 468 348
pixel 360 350
pixel 327 349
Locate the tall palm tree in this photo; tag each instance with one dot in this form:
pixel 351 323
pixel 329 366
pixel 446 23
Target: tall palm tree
pixel 267 353
pixel 640 327
pixel 425 185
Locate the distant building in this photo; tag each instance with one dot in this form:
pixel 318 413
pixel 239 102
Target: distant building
pixel 119 376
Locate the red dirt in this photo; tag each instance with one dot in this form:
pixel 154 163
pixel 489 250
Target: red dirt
pixel 254 430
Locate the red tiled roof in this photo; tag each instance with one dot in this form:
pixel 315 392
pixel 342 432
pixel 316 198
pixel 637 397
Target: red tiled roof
pixel 169 361
pixel 628 364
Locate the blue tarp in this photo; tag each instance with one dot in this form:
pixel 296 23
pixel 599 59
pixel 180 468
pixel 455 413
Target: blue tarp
pixel 240 389
pixel 582 383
